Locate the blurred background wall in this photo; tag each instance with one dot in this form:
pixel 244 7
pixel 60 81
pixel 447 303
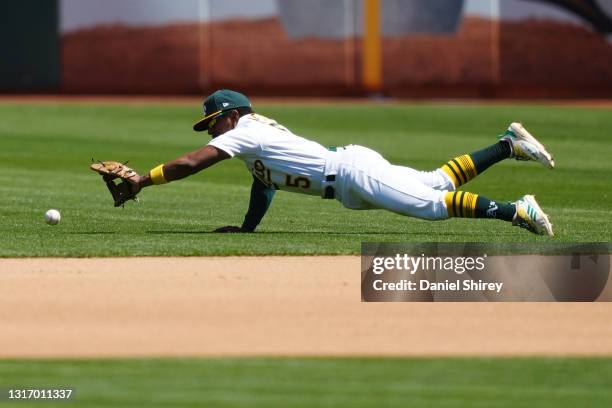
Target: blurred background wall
pixel 429 48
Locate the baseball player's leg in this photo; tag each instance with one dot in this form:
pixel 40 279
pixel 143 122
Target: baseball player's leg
pixel 401 190
pixel 516 142
pixel 525 212
pixel 459 170
pixel 392 188
pixel 437 179
pixel 389 187
pixel 369 181
pixel 464 168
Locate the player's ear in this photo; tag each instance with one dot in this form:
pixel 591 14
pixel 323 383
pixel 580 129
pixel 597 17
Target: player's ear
pixel 234 117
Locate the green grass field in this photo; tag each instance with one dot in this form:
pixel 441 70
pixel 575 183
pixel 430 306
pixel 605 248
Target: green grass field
pixel 320 382
pixel 46 148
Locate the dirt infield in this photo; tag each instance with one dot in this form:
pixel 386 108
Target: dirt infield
pixel 262 306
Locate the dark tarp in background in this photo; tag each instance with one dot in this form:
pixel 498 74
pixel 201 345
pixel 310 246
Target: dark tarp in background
pixel 29 45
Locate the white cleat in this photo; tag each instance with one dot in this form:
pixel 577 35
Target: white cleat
pixel 526 147
pixel 530 216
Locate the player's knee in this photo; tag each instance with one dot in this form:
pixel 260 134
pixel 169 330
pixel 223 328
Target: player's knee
pixel 435 215
pixel 433 210
pixel 445 181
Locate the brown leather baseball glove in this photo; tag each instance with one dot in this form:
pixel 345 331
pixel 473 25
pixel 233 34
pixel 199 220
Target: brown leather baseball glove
pixel 127 188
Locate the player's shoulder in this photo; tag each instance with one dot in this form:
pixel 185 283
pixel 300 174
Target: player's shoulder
pixel 251 126
pixel 255 119
pixel 263 124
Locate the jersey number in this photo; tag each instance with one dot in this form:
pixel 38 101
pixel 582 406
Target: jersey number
pixel 299 182
pixel 263 174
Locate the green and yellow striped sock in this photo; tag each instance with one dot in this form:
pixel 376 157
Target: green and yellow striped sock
pixel 469 205
pixel 461 169
pixel 461 204
pixel 464 168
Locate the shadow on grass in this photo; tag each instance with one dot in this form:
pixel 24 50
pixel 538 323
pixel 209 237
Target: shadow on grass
pixel 462 237
pixel 315 232
pixel 91 232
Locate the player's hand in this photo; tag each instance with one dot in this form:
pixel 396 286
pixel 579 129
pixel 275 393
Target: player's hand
pixel 230 228
pixel 136 183
pixel 133 184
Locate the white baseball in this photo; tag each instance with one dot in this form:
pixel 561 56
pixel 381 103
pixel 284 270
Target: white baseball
pixel 52 217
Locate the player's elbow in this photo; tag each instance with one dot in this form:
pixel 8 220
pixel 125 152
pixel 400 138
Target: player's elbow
pixel 207 156
pixel 190 163
pixel 184 166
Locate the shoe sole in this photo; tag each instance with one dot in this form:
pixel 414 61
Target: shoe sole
pixel 547 225
pixel 524 134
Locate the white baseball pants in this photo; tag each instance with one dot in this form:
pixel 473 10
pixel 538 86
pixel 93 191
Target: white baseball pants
pixel 365 180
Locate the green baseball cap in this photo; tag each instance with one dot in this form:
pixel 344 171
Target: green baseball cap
pixel 219 102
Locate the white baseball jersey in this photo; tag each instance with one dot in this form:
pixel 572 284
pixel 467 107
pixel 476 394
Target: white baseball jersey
pixel 363 178
pixel 277 157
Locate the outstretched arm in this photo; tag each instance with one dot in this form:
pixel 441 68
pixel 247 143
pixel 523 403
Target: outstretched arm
pixel 181 167
pixel 261 198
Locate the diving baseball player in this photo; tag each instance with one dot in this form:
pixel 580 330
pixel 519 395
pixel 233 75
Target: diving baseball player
pixel 358 177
